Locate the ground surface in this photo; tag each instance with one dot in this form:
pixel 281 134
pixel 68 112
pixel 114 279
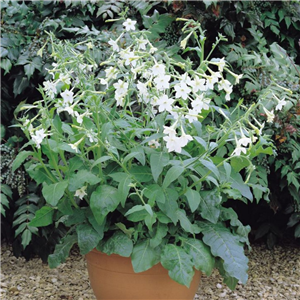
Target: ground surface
pixel 272 275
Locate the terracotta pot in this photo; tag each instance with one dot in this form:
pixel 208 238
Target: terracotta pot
pixel 112 277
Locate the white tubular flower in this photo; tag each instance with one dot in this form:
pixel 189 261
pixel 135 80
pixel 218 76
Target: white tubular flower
pixel 186 79
pixel 280 103
pixel 114 45
pixel 170 130
pixel 121 87
pixel 158 70
pixel 182 90
pixel 164 103
pixel 244 141
pixel 65 78
pixel 198 84
pixel 162 82
pixel 142 44
pixel 238 150
pixel 142 87
pixel 67 97
pixel 81 192
pixel 111 73
pixel 211 80
pixel 38 137
pixel 270 115
pixel 225 85
pixel 129 58
pixel 200 103
pixel 184 138
pixel 173 143
pixel 120 98
pixel 129 24
pixel 220 62
pixel 192 115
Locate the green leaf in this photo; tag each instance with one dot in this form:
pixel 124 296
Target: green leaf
pixel 161 231
pixel 29 70
pixel 20 84
pixel 239 162
pixel 88 238
pixel 238 184
pixel 170 206
pixel 193 198
pixel 186 223
pixel 211 166
pixel 224 244
pixel 6 65
pixel 26 238
pixel 143 256
pixel 78 180
pixel 157 163
pixel 119 244
pixel 20 158
pixel 62 251
pixel 209 205
pixel 54 192
pixel 103 201
pixel 201 255
pixel 172 174
pixel 123 189
pixel 43 217
pixel 179 264
pixel 141 173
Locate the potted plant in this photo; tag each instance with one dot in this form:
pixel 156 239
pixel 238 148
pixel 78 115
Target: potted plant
pixel 138 156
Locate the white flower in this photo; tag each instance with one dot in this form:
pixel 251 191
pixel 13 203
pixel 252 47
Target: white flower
pixel 142 87
pixel 50 88
pixel 173 143
pixel 198 85
pixel 154 144
pixel 280 104
pixel 142 44
pixel 220 62
pixel 238 150
pixel 200 103
pixel 186 79
pixel 182 90
pixel 121 87
pixel 162 82
pixel 111 73
pixel 225 85
pixel 244 141
pixel 270 115
pixel 192 115
pixel 169 130
pixel 210 81
pixel 227 97
pixel 114 45
pixel 67 96
pixel 164 103
pixel 129 58
pixel 129 24
pixel 81 192
pixel 185 138
pixel 158 69
pixel 120 98
pixel 38 137
pixel 65 78
pixel 79 118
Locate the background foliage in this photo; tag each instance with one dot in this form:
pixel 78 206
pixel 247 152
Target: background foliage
pixel 263 44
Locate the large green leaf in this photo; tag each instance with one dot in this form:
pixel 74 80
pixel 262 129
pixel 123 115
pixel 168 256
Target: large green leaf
pixel 141 173
pixel 62 251
pixel 54 192
pixel 161 231
pixel 224 244
pixel 119 244
pixel 157 163
pixel 186 223
pixel 193 198
pixel 170 206
pixel 143 256
pixel 201 255
pixel 19 159
pixel 88 238
pixel 43 217
pixel 238 183
pixel 209 205
pixel 82 176
pixel 172 174
pixel 103 201
pixel 124 188
pixel 179 264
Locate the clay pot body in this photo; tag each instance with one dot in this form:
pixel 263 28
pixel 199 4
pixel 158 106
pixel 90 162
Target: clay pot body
pixel 112 277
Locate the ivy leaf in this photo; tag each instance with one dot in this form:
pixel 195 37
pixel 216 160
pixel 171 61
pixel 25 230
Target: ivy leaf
pixel 179 264
pixel 5 64
pixel 143 256
pixel 88 238
pixel 62 251
pixel 43 217
pixel 54 192
pixel 201 255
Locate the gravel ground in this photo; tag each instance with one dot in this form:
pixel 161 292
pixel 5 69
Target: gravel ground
pixel 272 275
